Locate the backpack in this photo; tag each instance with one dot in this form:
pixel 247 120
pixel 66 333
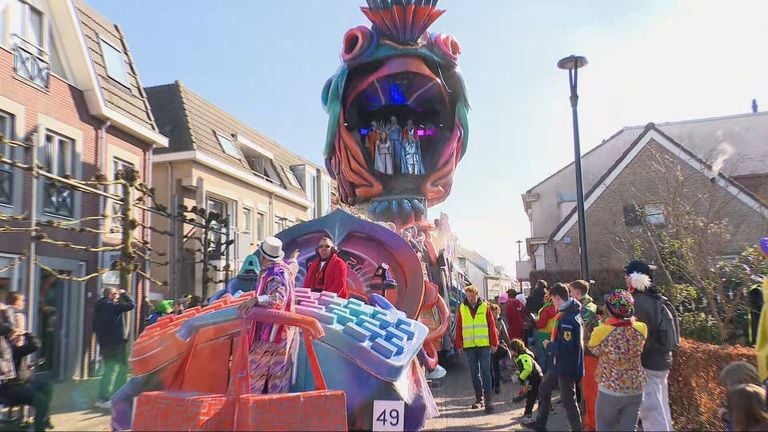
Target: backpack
pixel 669 325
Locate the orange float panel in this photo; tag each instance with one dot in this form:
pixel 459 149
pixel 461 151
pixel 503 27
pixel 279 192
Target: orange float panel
pixel 309 411
pixel 207 369
pixel 179 411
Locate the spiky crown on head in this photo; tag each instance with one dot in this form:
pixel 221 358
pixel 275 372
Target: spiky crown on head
pixel 403 21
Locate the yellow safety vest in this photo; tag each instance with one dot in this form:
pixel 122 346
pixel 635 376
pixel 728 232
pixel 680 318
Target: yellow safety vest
pixel 474 331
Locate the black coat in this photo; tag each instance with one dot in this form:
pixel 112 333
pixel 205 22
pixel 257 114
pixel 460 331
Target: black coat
pixel 108 321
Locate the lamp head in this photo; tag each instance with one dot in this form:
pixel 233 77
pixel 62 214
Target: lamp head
pixel 572 62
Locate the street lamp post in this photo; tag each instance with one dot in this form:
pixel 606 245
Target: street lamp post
pixel 572 64
pixel 519 252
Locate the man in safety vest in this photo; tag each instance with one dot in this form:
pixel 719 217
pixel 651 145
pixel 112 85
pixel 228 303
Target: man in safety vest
pixel 476 336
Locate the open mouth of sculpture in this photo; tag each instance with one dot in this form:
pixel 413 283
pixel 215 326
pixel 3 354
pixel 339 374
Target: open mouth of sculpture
pixel 391 104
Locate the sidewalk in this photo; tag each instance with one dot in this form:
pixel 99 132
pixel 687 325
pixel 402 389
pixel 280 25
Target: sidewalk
pixel 72 407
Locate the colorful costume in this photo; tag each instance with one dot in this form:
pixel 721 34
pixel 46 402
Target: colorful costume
pixel 273 347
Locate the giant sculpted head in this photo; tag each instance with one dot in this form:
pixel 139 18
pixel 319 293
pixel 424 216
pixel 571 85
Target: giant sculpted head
pixel 396 69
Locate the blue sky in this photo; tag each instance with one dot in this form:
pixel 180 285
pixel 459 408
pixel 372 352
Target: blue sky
pixel 265 61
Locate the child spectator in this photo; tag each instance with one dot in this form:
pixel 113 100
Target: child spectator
pixel 530 376
pixel 747 405
pixel 733 375
pixel 503 351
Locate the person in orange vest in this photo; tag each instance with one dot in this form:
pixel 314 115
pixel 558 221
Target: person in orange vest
pixel 477 338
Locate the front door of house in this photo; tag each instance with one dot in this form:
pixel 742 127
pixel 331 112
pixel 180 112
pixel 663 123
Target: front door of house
pixel 54 312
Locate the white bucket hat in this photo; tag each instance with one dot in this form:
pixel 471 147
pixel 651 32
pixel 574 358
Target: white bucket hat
pixel 272 249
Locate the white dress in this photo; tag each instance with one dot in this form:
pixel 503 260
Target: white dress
pixel 383 160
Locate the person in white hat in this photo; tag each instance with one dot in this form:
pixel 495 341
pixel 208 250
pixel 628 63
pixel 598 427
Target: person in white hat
pixel 272 348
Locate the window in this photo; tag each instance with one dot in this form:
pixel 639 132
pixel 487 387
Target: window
pixel 291 177
pixel 31 25
pixel 326 204
pixel 114 62
pixel 58 157
pixel 281 223
pixel 260 221
pixel 653 214
pixel 118 165
pixel 247 220
pixel 6 151
pixel 215 240
pixel 228 145
pixel 264 168
pixel 312 191
pixel 631 215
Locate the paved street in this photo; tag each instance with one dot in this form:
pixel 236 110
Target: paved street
pixel 455 395
pixel 72 409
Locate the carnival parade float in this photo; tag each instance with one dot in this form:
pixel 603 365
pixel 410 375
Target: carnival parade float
pixel 397 129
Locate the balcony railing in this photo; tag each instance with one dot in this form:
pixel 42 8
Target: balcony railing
pixel 58 200
pixel 30 63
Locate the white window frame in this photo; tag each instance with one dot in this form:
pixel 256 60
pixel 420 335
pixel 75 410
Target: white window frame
pixel 116 207
pixel 291 177
pixel 247 220
pixel 52 163
pixel 120 76
pixel 226 206
pixel 653 214
pixel 228 145
pixel 311 192
pixel 325 197
pixel 260 229
pixel 46 125
pixel 24 31
pixel 7 151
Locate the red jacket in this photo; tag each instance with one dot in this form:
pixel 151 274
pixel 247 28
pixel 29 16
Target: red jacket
pixel 514 312
pixel 332 278
pixel 492 332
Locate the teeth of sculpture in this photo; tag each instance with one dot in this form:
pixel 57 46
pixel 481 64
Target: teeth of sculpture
pixel 399 210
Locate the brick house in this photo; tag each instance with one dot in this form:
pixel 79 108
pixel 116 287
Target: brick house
pixel 716 166
pixel 215 161
pixel 68 85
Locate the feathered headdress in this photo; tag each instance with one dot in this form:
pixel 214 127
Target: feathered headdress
pixel 403 21
pixel 639 281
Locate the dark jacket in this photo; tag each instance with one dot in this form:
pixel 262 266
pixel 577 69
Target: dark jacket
pixel 7 371
pixel 535 300
pixel 646 310
pixel 108 321
pixel 31 345
pixel 566 351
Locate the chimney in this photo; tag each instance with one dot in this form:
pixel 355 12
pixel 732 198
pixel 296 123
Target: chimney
pixel 754 106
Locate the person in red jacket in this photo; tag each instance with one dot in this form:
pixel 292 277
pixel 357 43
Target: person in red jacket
pixel 329 271
pixel 514 313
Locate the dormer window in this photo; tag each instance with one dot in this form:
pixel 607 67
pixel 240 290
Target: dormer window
pixel 228 145
pixel 291 177
pixel 264 168
pixel 114 62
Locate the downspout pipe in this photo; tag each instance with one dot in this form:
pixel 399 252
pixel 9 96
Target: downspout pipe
pixel 102 167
